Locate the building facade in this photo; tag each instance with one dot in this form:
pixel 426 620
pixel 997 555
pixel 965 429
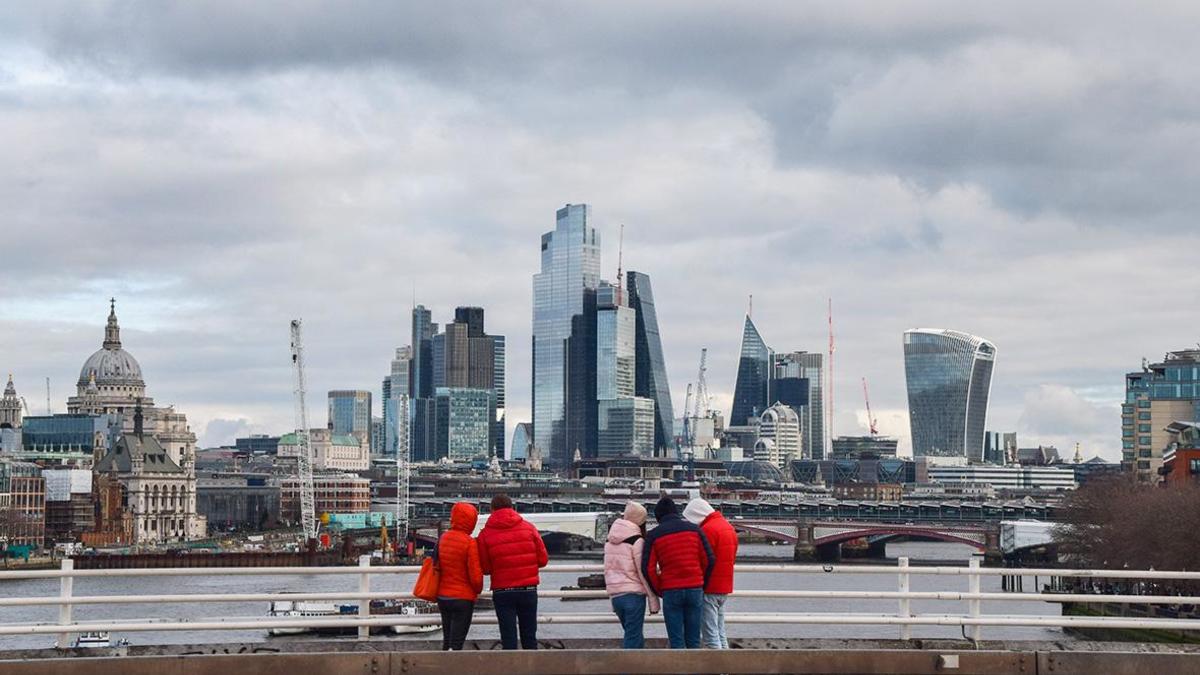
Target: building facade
pixel 1000 447
pixel 798 381
pixel 626 427
pixel 464 422
pixel 331 451
pixel 522 440
pixel 779 433
pixel 650 365
pixel 570 267
pixel 751 391
pixel 864 447
pixel 1156 396
pixel 350 414
pixel 11 405
pixel 949 377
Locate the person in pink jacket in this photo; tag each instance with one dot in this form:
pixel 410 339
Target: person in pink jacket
pixel 628 589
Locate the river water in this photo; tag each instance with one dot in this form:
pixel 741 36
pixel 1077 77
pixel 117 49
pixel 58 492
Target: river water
pixel 947 553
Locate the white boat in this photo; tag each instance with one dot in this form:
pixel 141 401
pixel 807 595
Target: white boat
pixel 94 639
pixel 406 608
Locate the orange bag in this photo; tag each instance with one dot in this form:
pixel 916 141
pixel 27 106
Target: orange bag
pixel 428 580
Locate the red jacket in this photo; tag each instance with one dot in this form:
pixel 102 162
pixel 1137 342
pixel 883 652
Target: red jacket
pixel 458 556
pixel 676 555
pixel 723 539
pixel 511 550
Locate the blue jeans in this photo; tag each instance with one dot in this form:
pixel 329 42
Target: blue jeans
pixel 682 611
pixel 714 621
pixel 631 612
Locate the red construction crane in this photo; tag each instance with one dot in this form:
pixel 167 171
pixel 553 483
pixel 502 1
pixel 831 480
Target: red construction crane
pixel 871 421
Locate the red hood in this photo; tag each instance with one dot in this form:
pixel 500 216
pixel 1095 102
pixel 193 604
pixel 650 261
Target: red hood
pixel 503 519
pixel 463 517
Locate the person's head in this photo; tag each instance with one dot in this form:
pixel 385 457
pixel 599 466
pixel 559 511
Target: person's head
pixel 463 517
pixel 634 513
pixel 501 501
pixel 665 507
pixel 697 510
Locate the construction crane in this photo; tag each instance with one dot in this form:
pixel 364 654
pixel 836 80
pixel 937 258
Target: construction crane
pixel 688 423
pixel 403 457
pixel 304 458
pixel 871 421
pixel 701 400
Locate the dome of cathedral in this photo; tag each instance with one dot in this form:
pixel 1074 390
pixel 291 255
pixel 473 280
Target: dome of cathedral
pixel 112 365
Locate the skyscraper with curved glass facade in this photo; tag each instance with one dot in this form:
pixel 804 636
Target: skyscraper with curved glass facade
pixel 570 270
pixel 949 378
pixel 751 391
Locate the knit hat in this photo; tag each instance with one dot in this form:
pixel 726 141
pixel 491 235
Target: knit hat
pixel 665 506
pixel 634 513
pixel 697 510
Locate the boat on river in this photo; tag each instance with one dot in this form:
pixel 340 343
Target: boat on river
pixel 307 610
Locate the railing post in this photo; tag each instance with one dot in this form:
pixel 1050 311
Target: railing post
pixel 973 605
pixel 364 604
pixel 905 603
pixel 66 586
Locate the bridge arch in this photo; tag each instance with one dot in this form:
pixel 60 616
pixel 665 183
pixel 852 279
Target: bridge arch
pixel 890 532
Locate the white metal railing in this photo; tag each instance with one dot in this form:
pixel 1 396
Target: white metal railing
pixel 973 620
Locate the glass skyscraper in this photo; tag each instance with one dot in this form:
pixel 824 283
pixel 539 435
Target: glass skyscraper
pixel 798 381
pixel 570 268
pixel 464 422
pixel 651 376
pixel 350 414
pixel 752 389
pixel 949 377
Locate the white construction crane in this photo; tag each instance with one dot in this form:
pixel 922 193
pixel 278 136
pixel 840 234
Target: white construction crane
pixel 304 458
pixel 403 458
pixel 701 401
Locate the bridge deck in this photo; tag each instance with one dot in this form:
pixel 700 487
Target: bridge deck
pixel 809 657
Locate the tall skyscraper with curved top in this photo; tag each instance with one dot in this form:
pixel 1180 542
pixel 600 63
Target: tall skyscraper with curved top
pixel 949 378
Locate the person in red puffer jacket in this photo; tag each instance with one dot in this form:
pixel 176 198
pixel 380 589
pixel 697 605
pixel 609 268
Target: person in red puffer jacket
pixel 511 551
pixel 461 577
pixel 678 562
pixel 723 539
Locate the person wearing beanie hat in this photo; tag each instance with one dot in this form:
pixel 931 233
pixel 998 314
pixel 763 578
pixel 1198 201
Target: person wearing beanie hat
pixel 628 589
pixel 677 564
pixel 723 539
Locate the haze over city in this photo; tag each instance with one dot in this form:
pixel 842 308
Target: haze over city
pixel 921 164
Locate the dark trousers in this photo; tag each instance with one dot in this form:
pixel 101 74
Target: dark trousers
pixel 683 610
pixel 456 621
pixel 517 608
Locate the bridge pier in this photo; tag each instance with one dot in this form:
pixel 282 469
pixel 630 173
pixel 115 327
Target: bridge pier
pixel 805 550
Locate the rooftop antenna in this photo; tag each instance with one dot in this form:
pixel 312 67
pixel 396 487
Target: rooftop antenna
pixel 620 273
pixel 750 307
pixel 48 411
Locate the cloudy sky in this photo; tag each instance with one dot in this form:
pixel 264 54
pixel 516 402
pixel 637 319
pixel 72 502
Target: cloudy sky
pixel 1029 175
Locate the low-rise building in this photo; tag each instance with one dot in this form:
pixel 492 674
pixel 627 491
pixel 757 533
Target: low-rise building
pixel 331 451
pixel 22 504
pixel 332 492
pixel 1181 461
pixel 864 447
pixel 1006 477
pixel 238 501
pixel 876 492
pixel 69 509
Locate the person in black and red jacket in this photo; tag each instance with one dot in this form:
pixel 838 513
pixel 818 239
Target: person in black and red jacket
pixel 678 562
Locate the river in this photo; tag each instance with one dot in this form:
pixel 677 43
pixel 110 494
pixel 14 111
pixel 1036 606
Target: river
pixel 927 551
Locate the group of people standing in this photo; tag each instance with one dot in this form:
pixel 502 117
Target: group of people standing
pixel 684 567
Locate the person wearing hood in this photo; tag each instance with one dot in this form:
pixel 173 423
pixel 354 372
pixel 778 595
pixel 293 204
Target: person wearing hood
pixel 628 589
pixel 511 551
pixel 723 539
pixel 461 576
pixel 677 563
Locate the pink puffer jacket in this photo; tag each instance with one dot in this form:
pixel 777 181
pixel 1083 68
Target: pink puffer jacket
pixel 623 562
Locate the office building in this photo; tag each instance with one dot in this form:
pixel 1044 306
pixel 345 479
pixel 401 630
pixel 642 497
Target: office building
pixel 949 376
pixel 522 439
pixel 463 422
pixel 751 391
pixel 864 447
pixel 798 381
pixel 1006 477
pixel 423 430
pixel 395 386
pixel 238 501
pixel 350 414
pixel 72 438
pixel 332 493
pixel 331 451
pixel 1157 395
pixel 651 370
pixel 1000 447
pixel 499 367
pixel 257 444
pixel 570 269
pixel 626 427
pixel 423 331
pixel 23 498
pixel 778 435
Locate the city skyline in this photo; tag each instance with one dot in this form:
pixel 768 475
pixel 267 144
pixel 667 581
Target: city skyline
pixel 997 175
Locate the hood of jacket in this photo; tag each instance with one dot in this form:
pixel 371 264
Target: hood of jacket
pixel 504 519
pixel 463 517
pixel 697 510
pixel 621 530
